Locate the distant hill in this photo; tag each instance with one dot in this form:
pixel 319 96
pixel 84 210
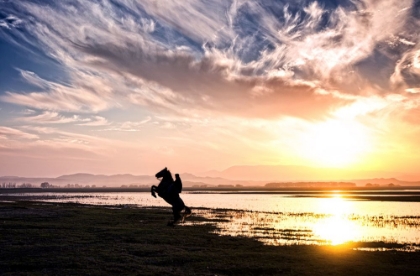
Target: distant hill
pixel 310 185
pixel 301 173
pixel 236 175
pixel 385 181
pixel 84 179
pixel 107 180
pixel 191 178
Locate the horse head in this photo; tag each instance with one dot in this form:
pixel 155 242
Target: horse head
pixel 162 173
pixel 165 174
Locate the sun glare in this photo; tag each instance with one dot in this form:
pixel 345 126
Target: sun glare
pixel 336 229
pixel 335 143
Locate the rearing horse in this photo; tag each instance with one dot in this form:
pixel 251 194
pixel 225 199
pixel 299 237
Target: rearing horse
pixel 169 189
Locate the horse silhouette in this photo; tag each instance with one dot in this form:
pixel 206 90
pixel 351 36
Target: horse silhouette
pixel 169 189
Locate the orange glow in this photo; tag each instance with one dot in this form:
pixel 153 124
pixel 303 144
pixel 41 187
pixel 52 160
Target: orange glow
pixel 335 143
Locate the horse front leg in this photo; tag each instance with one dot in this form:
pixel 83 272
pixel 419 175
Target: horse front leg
pixel 153 190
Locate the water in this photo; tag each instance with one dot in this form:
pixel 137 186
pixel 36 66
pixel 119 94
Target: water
pixel 285 219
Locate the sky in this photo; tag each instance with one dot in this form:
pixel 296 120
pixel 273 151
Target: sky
pixel 122 86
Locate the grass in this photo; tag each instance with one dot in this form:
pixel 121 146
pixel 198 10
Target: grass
pixel 69 239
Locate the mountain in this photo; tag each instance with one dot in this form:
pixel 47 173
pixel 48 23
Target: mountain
pixel 117 180
pixel 107 180
pixel 300 173
pixel 83 179
pixel 385 182
pixel 244 175
pixel 191 178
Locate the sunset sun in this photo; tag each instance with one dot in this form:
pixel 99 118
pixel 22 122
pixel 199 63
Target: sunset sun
pixel 336 143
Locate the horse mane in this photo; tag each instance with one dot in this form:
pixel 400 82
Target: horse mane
pixel 169 175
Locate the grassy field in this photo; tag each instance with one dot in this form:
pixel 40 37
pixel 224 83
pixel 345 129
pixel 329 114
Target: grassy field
pixel 68 239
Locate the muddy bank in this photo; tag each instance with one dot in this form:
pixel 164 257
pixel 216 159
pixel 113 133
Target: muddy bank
pixel 71 239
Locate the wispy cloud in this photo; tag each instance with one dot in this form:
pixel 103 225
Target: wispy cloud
pixel 96 121
pixel 206 73
pixel 86 94
pixel 212 24
pixel 56 138
pixel 129 126
pixel 13 133
pixel 10 22
pixel 50 117
pixel 28 111
pixel 272 58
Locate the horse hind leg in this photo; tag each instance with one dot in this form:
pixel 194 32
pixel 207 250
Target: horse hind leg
pixel 187 213
pixel 177 217
pixel 180 217
pixel 176 211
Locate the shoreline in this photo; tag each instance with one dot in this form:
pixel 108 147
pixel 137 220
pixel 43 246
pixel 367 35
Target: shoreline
pixel 222 189
pixel 64 238
pixel 400 194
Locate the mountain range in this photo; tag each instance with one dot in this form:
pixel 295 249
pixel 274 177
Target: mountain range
pixel 243 175
pixel 302 173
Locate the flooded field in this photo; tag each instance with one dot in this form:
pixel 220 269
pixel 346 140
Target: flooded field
pixel 288 218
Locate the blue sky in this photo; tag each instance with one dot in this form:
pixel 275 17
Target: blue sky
pixel 131 86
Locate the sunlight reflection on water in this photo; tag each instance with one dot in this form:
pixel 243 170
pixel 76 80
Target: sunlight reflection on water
pixel 282 219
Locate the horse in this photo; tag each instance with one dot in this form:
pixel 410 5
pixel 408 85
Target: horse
pixel 169 189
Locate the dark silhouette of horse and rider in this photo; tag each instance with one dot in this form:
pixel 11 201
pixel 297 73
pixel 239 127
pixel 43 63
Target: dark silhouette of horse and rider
pixel 169 189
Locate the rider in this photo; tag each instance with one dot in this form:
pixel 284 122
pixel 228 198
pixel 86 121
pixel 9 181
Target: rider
pixel 178 183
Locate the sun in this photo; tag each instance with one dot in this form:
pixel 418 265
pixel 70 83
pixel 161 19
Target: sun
pixel 335 143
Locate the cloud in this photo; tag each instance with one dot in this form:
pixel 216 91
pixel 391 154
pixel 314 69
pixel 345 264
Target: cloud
pixel 97 121
pixel 208 22
pixel 49 117
pixel 57 138
pixel 52 117
pixel 209 84
pixel 28 111
pixel 129 126
pixel 413 90
pixel 10 22
pixel 407 71
pixel 240 58
pixel 13 133
pixel 85 94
